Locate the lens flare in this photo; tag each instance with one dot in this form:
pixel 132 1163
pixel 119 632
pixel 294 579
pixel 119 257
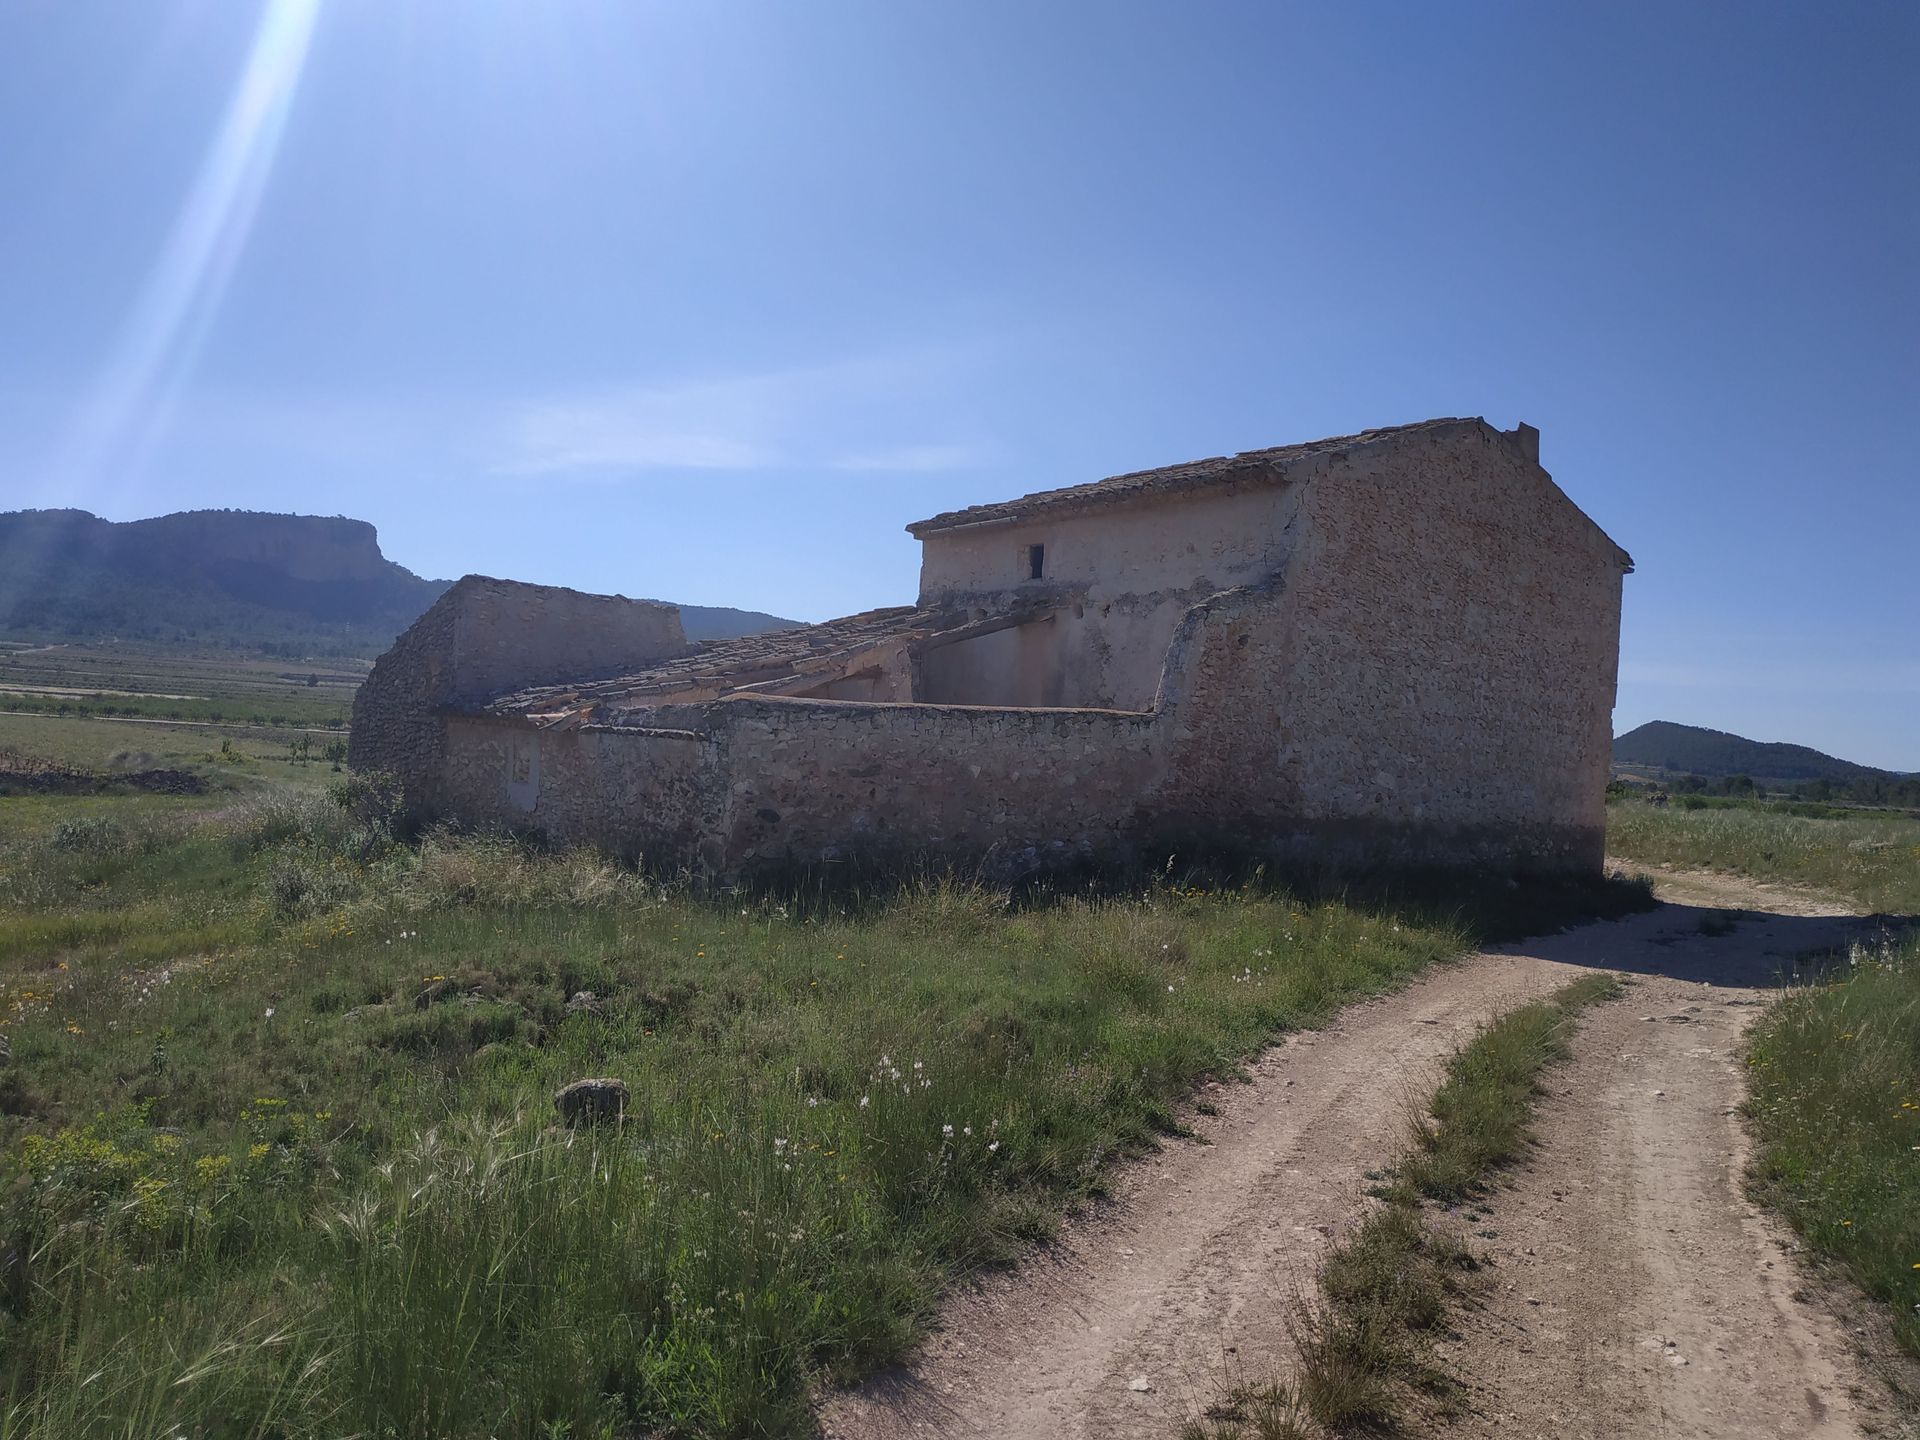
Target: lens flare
pixel 153 354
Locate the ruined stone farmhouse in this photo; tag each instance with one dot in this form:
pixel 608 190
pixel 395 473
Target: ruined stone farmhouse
pixel 1392 647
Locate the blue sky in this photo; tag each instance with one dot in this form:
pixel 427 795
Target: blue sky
pixel 705 301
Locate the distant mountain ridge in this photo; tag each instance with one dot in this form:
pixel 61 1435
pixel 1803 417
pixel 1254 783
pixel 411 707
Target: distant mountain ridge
pixel 283 584
pixel 1692 750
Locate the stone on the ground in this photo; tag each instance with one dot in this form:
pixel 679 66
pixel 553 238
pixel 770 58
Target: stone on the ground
pixel 591 1102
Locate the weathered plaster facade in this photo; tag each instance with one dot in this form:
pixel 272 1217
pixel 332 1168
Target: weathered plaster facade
pixel 1393 647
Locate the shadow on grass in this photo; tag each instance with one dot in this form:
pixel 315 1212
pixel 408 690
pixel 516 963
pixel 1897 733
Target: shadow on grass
pixel 1484 906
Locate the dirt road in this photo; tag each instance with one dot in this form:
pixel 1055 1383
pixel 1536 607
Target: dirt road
pixel 1636 1289
pixel 1149 1310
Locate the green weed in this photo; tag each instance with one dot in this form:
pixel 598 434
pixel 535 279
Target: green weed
pixel 1871 858
pixel 281 1156
pixel 1834 1072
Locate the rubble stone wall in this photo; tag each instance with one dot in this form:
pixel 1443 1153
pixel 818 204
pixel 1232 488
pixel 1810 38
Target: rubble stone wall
pixel 481 638
pixel 767 783
pixel 818 781
pixel 1430 683
pixel 1423 674
pixel 650 795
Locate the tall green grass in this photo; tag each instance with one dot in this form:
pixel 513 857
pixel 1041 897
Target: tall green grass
pixel 1872 859
pixel 280 1156
pixel 1835 1100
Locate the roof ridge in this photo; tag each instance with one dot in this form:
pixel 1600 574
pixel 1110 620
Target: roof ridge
pixel 1183 475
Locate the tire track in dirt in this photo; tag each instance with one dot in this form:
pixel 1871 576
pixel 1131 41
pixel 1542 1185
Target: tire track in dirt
pixel 1151 1307
pixel 1637 1291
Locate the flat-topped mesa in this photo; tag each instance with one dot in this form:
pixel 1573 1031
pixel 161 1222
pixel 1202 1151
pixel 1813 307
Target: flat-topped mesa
pixel 1391 647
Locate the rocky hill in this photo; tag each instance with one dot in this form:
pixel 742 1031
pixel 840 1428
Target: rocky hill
pixel 282 584
pixel 1691 750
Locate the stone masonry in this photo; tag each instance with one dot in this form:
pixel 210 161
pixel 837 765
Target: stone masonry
pixel 1397 647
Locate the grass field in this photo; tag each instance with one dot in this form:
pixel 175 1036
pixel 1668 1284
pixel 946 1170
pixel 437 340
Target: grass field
pixel 1869 857
pixel 110 680
pixel 1835 1099
pixel 243 723
pixel 281 1157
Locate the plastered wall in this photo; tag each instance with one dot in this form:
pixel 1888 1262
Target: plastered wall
pixel 1126 574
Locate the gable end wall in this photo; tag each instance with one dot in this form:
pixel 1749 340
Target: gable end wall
pixel 1429 683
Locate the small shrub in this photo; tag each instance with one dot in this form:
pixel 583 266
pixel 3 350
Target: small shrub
pixel 371 798
pixel 452 1030
pixel 280 818
pixel 88 835
pixel 298 887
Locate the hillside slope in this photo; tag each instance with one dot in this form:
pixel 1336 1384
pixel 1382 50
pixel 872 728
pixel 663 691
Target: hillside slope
pixel 282 584
pixel 1690 749
pixel 723 622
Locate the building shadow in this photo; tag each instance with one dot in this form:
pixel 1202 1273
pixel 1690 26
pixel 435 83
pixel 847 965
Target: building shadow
pixel 1745 949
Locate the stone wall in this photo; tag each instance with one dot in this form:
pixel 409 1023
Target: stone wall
pixel 481 638
pixel 1423 674
pixel 770 783
pixel 816 781
pixel 1431 682
pixel 396 725
pixel 651 795
pixel 508 636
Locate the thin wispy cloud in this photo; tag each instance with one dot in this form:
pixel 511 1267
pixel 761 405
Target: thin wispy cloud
pixel 644 430
pixel 848 415
pixel 919 458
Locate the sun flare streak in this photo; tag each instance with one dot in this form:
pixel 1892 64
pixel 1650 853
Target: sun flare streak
pixel 154 352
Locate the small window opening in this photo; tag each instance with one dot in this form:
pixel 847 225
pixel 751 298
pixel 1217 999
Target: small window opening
pixel 1036 561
